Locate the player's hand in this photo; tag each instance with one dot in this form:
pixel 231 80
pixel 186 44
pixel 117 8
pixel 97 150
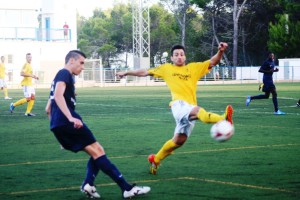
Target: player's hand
pixel 222 46
pixel 275 69
pixel 35 77
pixel 120 74
pixel 77 122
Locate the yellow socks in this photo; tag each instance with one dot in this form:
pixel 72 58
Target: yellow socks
pixel 20 102
pixel 209 117
pixel 29 106
pixel 165 151
pixel 5 92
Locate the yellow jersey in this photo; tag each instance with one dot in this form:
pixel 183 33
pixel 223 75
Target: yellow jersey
pixel 2 71
pixel 182 80
pixel 27 69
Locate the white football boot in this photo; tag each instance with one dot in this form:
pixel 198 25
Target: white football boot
pixel 135 191
pixel 90 191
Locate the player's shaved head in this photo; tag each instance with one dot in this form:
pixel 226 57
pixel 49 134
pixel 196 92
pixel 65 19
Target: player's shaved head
pixel 74 54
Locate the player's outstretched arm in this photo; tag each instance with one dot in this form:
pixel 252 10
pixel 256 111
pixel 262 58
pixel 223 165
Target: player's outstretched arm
pixel 218 56
pixel 138 72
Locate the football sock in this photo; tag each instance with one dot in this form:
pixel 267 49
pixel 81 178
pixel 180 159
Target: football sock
pixel 91 172
pixel 111 170
pixel 275 103
pixel 30 106
pixel 5 92
pixel 165 151
pixel 261 96
pixel 209 117
pixel 20 102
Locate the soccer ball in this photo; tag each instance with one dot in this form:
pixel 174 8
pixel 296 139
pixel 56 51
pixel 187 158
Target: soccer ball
pixel 222 131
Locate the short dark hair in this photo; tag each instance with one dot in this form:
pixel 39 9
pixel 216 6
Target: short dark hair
pixel 74 54
pixel 177 46
pixel 270 54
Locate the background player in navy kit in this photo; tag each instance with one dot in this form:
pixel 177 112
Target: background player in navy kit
pixel 73 134
pixel 268 68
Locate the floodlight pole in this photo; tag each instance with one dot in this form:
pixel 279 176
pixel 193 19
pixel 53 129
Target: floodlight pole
pixel 141 34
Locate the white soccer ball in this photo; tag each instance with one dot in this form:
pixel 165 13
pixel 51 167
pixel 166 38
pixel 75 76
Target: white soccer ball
pixel 222 131
pixel 165 54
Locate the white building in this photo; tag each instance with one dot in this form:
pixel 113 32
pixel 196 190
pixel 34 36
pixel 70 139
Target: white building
pixel 37 29
pixel 291 68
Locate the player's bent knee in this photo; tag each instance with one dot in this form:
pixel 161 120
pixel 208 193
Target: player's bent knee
pixel 180 139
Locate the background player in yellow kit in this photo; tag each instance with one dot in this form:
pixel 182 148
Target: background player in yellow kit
pixel 3 85
pixel 28 89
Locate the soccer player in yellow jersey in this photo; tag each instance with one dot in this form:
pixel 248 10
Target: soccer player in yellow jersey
pixel 182 81
pixel 3 85
pixel 28 89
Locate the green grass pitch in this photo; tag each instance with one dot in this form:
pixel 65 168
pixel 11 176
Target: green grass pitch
pixel 261 160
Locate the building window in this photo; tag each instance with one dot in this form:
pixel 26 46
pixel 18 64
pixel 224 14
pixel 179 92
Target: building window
pixel 10 59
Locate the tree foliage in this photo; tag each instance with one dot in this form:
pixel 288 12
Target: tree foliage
pixel 284 37
pixel 199 25
pixel 163 32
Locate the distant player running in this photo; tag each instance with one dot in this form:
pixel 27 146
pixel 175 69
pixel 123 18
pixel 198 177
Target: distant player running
pixel 268 87
pixel 73 134
pixel 182 81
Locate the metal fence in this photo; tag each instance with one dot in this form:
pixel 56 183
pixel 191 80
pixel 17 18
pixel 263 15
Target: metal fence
pixel 95 75
pixel 35 34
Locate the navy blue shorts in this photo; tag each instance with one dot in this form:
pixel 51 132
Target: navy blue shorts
pixel 268 87
pixel 74 139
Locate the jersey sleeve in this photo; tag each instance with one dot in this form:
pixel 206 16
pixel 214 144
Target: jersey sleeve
pixel 157 72
pixel 200 68
pixel 63 76
pixel 24 68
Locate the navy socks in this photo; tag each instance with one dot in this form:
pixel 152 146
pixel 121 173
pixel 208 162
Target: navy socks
pixel 111 170
pixel 92 171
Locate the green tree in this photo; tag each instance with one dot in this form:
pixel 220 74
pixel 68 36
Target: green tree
pixel 255 24
pixel 94 34
pixel 162 32
pixel 121 30
pixel 284 37
pixel 107 34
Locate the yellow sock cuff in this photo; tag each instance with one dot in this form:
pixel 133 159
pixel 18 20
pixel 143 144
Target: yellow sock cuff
pixel 209 117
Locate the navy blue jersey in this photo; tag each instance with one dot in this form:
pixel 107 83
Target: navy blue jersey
pixel 57 117
pixel 268 65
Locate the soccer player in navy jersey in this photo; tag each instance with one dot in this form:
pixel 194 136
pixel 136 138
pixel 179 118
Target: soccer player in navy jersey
pixel 73 134
pixel 268 68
